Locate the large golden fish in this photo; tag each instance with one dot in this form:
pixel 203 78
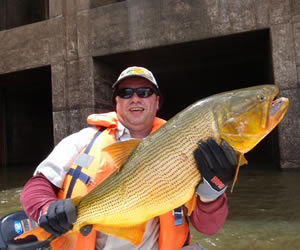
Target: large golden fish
pixel 159 173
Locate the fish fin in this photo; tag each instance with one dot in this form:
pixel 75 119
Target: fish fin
pixel 76 200
pixel 65 242
pixel 134 234
pixel 40 233
pixel 119 152
pixel 191 204
pixel 241 161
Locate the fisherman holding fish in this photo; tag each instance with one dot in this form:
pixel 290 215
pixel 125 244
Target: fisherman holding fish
pixel 77 165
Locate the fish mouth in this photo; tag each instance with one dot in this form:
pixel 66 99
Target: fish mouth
pixel 275 106
pixel 277 109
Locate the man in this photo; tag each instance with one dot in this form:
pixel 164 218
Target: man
pixel 73 166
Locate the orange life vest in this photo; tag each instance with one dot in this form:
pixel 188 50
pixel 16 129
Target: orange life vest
pixel 82 179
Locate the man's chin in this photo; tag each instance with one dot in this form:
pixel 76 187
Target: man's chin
pixel 137 119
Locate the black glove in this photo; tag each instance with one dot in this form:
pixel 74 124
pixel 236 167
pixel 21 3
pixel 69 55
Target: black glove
pixel 217 164
pixel 59 217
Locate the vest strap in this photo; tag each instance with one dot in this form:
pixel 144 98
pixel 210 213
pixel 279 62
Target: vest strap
pixel 80 175
pixel 88 148
pixel 178 214
pixel 77 174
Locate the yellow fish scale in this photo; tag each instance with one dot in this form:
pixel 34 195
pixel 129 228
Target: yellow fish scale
pixel 148 181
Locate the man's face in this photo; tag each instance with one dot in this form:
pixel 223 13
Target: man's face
pixel 136 113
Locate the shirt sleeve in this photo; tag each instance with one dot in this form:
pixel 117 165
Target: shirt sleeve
pixel 208 218
pixel 37 193
pixel 57 164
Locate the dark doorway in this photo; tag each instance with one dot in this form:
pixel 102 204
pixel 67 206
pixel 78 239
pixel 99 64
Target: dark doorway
pixel 26 127
pixel 14 13
pixel 190 71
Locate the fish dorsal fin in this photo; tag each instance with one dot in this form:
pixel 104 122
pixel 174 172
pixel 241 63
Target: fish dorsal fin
pixel 134 234
pixel 241 161
pixel 119 152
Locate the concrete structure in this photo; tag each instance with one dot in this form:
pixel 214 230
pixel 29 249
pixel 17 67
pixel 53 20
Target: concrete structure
pixel 73 50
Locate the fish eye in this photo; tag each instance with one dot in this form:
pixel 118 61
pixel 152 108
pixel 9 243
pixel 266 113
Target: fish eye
pixel 261 98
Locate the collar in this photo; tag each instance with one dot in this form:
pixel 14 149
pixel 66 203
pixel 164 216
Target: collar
pixel 122 133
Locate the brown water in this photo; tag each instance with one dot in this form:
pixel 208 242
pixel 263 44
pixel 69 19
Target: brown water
pixel 263 210
pixel 11 182
pixel 263 213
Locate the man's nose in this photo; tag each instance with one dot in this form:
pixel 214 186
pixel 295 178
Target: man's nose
pixel 135 96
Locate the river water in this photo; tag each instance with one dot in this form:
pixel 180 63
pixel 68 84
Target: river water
pixel 264 209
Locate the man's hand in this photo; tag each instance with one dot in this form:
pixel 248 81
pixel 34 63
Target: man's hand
pixel 217 166
pixel 59 217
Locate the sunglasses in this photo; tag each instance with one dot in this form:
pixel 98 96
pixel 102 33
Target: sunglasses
pixel 127 93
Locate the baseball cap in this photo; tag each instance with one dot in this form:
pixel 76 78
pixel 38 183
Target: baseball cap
pixel 136 72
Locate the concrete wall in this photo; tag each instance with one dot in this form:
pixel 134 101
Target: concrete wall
pixel 79 31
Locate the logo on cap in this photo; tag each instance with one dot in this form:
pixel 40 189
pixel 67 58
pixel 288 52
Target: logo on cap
pixel 137 71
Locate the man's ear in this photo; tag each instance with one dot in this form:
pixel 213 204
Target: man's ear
pixel 115 101
pixel 157 103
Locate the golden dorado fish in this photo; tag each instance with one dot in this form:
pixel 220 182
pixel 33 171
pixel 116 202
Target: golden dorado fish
pixel 157 174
